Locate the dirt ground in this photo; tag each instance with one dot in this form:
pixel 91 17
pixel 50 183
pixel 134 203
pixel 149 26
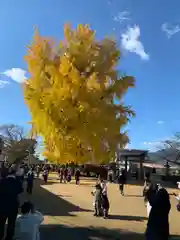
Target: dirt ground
pixel 68 212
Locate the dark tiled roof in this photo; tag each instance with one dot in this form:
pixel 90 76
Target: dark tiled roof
pixel 131 152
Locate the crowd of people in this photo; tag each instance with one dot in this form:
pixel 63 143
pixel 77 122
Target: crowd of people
pixel 156 199
pixel 66 173
pixel 14 179
pixel 26 226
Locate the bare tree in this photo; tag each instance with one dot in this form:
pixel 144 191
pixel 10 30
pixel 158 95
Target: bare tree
pixel 16 145
pixel 170 149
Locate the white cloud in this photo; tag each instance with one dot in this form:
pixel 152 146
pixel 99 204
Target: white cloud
pixel 122 16
pixel 3 83
pixel 170 29
pixel 160 122
pixel 151 143
pixel 147 143
pixel 130 42
pixel 16 74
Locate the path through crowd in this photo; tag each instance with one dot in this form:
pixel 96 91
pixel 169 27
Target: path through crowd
pixel 68 212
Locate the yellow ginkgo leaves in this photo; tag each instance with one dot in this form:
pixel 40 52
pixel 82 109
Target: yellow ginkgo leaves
pixel 70 95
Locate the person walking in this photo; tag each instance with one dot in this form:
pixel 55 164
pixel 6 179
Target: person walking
pixel 10 188
pixel 38 170
pixel 77 176
pixel 61 174
pixel 122 181
pixel 65 174
pixel 110 175
pixel 69 175
pixel 30 181
pixel 45 175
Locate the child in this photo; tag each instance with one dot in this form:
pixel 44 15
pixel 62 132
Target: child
pixel 27 225
pixel 105 205
pixel 105 200
pixel 97 193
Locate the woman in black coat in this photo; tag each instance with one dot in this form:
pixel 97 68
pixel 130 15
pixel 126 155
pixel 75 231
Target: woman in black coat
pixel 158 222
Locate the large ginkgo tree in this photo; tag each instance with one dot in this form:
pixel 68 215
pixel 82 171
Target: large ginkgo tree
pixel 70 95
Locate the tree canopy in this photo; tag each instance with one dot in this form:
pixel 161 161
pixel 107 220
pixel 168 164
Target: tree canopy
pixel 169 149
pixel 70 94
pixel 15 144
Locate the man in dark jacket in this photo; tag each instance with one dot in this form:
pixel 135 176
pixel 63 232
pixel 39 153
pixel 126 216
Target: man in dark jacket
pixel 10 188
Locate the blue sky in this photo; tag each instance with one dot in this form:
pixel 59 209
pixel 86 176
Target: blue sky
pixel 148 32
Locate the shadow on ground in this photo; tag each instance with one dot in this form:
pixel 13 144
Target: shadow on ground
pixel 130 195
pixel 49 203
pixel 85 184
pixel 88 181
pixel 91 233
pixel 54 205
pixel 141 183
pixel 127 218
